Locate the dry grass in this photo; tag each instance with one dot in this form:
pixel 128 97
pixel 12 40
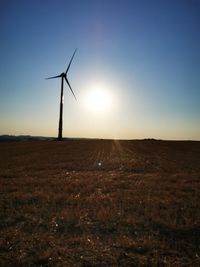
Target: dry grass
pixel 141 207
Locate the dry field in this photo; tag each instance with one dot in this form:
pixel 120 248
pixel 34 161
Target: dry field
pixel 100 203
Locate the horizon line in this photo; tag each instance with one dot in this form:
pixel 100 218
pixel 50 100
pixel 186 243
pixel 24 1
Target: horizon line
pixel 96 138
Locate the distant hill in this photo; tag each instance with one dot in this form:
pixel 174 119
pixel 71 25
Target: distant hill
pixel 9 138
pixel 14 138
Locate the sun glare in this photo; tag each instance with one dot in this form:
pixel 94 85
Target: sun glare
pixel 98 99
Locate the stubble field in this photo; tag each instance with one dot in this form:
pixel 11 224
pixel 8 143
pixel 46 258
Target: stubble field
pixel 100 203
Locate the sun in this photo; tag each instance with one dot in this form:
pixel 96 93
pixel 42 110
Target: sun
pixel 98 98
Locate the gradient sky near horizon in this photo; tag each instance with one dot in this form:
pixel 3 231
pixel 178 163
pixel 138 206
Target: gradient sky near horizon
pixel 143 53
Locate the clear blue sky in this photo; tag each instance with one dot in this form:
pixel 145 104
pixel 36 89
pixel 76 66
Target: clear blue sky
pixel 146 53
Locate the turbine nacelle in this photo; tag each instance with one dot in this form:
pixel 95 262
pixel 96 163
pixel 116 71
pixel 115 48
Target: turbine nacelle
pixel 63 75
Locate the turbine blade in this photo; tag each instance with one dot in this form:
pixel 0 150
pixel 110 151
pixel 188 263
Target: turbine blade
pixel 70 61
pixel 53 77
pixel 70 88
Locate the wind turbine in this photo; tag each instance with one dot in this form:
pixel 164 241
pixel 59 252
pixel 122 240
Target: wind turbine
pixel 63 76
